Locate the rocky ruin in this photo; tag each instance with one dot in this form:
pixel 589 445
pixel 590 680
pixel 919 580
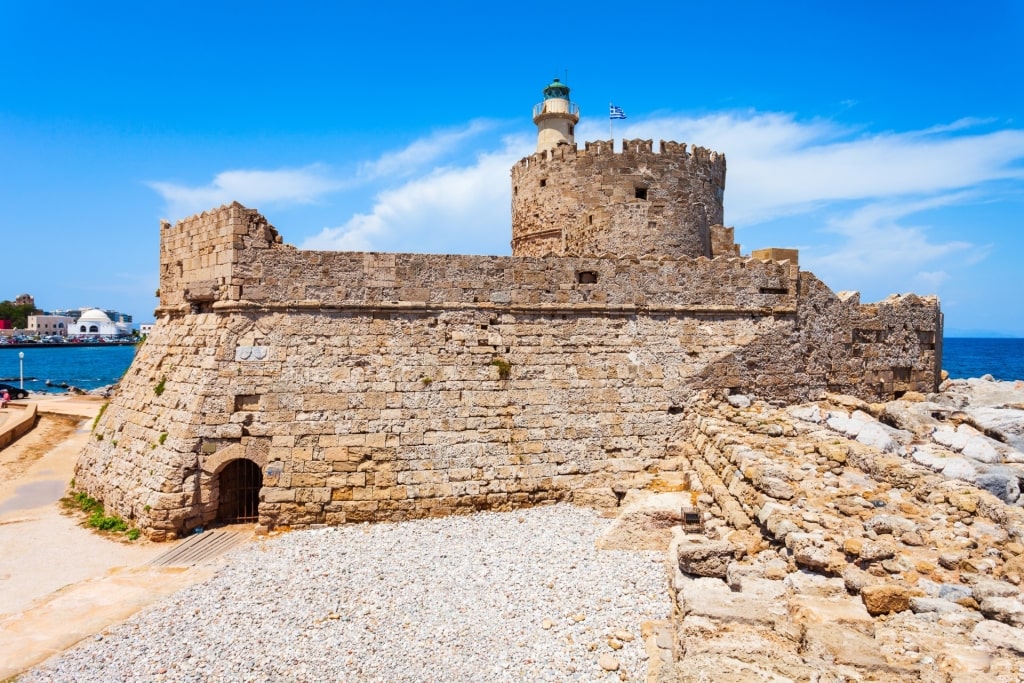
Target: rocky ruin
pixel 842 540
pixel 829 514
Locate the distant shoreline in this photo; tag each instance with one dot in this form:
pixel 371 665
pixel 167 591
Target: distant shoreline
pixel 74 345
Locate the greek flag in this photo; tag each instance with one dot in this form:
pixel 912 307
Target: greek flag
pixel 615 112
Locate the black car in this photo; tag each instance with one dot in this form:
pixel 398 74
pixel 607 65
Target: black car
pixel 15 392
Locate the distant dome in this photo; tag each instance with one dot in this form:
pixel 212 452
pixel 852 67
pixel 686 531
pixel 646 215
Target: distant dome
pixel 94 315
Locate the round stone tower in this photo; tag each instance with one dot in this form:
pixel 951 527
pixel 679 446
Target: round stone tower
pixel 556 117
pixel 596 201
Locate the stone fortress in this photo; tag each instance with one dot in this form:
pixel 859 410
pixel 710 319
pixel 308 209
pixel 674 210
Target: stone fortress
pixel 299 388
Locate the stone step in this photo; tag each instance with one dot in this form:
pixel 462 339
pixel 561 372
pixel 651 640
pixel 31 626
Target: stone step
pixel 200 548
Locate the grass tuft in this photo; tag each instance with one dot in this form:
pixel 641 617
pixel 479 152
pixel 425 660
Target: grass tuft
pixel 504 367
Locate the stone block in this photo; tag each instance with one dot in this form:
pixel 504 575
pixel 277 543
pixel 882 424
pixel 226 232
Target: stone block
pixel 601 498
pixel 712 599
pixel 308 480
pixel 811 550
pixel 885 598
pixel 277 495
pixel 1009 610
pixel 699 556
pixel 845 646
pixel 1000 635
pixel 313 495
pixel 301 454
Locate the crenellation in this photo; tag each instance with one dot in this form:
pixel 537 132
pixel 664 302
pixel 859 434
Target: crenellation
pixel 637 146
pixel 597 147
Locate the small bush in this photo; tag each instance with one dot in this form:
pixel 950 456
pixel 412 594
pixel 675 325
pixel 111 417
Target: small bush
pixel 98 520
pixel 97 517
pixel 86 503
pixel 163 437
pixel 99 437
pixel 427 381
pixel 504 367
pixel 161 385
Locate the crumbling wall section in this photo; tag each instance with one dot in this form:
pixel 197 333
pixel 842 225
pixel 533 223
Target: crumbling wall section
pixel 198 255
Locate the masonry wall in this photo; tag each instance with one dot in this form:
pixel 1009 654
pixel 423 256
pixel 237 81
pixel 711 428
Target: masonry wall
pixel 568 201
pixel 388 386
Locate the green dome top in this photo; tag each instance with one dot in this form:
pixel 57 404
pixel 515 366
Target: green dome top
pixel 556 89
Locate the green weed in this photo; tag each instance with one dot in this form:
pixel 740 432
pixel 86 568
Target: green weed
pixel 97 517
pixel 103 409
pixel 504 367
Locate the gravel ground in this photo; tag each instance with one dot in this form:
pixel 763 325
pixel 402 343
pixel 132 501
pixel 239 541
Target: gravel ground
pixel 519 596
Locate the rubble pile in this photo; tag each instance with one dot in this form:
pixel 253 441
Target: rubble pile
pixel 850 541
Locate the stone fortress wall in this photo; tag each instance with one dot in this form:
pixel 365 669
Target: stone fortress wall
pixel 568 201
pixel 374 386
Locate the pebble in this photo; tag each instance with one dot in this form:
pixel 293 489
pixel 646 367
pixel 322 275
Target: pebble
pixel 446 600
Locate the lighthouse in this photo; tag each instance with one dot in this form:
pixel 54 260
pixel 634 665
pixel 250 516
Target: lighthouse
pixel 556 117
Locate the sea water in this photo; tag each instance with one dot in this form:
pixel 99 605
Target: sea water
pixel 98 366
pixel 85 367
pixel 1001 358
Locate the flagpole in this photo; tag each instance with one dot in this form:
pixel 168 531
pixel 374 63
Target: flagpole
pixel 611 121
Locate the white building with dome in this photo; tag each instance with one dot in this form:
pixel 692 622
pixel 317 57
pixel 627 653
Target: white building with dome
pixel 95 323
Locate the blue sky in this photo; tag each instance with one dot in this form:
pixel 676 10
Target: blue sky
pixel 885 140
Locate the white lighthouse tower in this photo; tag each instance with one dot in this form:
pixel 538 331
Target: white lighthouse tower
pixel 556 117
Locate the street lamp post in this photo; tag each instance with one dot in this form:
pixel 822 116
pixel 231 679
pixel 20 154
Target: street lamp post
pixel 21 369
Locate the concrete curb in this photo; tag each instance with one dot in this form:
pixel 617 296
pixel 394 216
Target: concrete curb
pixel 18 423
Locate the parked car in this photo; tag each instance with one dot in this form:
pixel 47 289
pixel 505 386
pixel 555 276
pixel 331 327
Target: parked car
pixel 15 392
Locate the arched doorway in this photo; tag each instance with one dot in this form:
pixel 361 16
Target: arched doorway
pixel 239 496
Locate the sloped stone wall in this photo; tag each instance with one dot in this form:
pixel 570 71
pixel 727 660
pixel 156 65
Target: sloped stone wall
pixel 388 386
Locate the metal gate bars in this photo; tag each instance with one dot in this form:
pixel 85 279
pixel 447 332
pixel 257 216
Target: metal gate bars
pixel 240 484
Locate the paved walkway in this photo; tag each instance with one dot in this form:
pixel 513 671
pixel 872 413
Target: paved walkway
pixel 59 582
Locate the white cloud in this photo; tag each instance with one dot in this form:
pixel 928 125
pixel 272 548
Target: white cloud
pixel 423 151
pixel 250 187
pixel 457 209
pixel 781 166
pixel 877 250
pixel 931 281
pixel 309 184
